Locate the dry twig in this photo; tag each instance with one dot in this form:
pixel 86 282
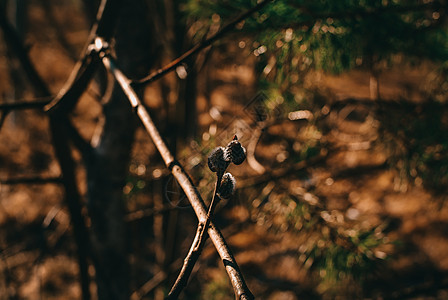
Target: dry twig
pixel 195 249
pixel 236 278
pixel 175 63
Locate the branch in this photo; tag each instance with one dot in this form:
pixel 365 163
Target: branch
pixel 189 262
pixel 155 281
pixel 26 104
pixel 6 108
pixel 85 68
pixel 74 134
pixel 13 40
pixel 40 86
pixel 75 86
pixel 147 212
pixel 280 173
pixel 62 152
pixel 172 65
pixel 236 278
pixel 58 108
pixel 83 76
pixel 195 249
pixel 251 160
pixel 60 128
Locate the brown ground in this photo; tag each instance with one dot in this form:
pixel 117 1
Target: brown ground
pixel 352 180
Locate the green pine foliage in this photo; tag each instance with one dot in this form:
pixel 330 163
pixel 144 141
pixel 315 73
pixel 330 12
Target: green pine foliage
pixel 292 38
pixel 333 247
pixel 419 151
pixel 336 35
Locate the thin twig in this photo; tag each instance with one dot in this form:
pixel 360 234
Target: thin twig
pixel 172 65
pixel 236 278
pixel 251 160
pixel 75 86
pixel 211 209
pixel 37 103
pixel 145 213
pixel 189 262
pixel 6 108
pixel 84 69
pixel 196 247
pixel 155 281
pixel 14 41
pixel 63 155
pixel 74 134
pixel 59 107
pixel 280 173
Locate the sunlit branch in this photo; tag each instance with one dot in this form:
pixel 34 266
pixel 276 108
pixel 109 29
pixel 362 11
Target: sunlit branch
pixel 236 278
pixel 195 249
pixel 175 63
pixel 84 69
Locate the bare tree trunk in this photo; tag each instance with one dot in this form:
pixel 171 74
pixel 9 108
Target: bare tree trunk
pixel 107 168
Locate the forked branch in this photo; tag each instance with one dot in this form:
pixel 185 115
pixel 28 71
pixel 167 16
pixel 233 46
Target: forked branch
pixel 236 278
pixel 195 250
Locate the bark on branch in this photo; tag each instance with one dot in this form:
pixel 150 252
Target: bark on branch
pixel 195 249
pixel 58 128
pixel 236 278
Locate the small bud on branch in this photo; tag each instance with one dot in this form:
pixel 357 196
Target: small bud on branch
pixel 227 187
pixel 217 162
pixel 234 152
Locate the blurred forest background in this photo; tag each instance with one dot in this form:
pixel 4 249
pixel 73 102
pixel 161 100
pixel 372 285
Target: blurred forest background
pixel 341 105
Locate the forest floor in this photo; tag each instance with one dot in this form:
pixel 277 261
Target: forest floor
pixel 351 178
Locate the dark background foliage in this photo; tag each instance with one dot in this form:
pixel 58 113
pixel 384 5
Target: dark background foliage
pixel 341 106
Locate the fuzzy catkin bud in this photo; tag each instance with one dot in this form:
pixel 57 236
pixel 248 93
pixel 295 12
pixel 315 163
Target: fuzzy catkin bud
pixel 235 152
pixel 227 187
pixel 216 160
